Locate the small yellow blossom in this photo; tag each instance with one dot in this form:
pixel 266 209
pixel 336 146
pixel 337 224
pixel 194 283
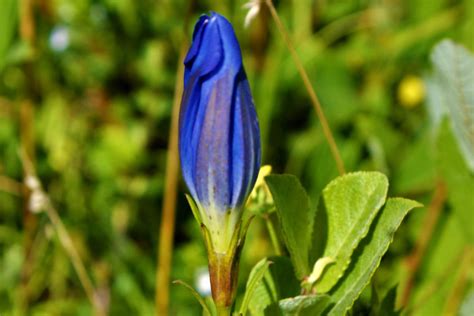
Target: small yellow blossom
pixel 411 91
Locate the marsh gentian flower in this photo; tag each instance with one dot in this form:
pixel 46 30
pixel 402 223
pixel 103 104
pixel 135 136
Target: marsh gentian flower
pixel 219 146
pixel 219 140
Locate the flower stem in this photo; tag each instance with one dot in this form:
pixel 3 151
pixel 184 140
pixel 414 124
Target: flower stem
pixel 165 246
pixel 423 241
pixel 223 311
pixel 312 94
pixel 273 236
pixel 223 270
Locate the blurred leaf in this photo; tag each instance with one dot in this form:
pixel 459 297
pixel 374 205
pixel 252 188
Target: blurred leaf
pixel 351 203
pixel 420 10
pixel 387 306
pixel 296 218
pixel 11 261
pixel 110 156
pixel 437 274
pixel 62 306
pixel 279 282
pixel 19 52
pixel 371 127
pixel 335 86
pixel 127 286
pixel 302 29
pixel 255 277
pixel 8 19
pixel 266 94
pixel 459 181
pixel 304 305
pixel 153 58
pixel 321 167
pixel 435 101
pixel 53 129
pixel 417 169
pixel 467 306
pixel 368 254
pixel 454 72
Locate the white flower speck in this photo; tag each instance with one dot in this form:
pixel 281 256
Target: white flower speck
pixel 254 8
pixel 32 183
pixel 203 282
pixel 37 201
pixel 59 38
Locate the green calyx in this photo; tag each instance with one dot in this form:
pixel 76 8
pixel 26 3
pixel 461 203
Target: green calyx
pixel 224 238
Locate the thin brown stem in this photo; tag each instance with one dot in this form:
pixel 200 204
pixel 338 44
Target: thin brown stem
pixel 165 243
pixel 165 246
pixel 76 261
pixel 429 225
pixel 27 23
pixel 309 88
pixel 10 185
pixel 26 115
pixel 436 284
pixel 455 298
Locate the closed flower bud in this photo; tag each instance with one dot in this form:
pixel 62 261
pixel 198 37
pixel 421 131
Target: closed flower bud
pixel 219 140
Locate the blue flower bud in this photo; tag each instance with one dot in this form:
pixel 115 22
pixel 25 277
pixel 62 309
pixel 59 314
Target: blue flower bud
pixel 219 141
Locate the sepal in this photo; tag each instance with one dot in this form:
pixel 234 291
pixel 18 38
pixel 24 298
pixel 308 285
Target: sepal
pixel 194 209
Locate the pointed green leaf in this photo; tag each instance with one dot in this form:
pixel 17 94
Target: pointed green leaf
pixel 304 305
pixel 198 297
pixel 296 218
pixel 279 282
pixel 194 209
pixel 255 277
pixel 351 203
pixel 387 306
pixel 366 258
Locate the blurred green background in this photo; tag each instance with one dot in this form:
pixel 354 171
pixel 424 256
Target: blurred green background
pixel 86 87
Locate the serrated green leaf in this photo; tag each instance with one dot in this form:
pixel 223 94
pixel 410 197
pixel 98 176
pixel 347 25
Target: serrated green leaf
pixel 368 254
pixel 351 202
pixel 255 277
pixel 304 305
pixel 296 218
pixel 279 282
pixel 454 75
pixel 459 181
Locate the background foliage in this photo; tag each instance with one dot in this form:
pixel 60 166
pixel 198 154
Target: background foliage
pixel 86 87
